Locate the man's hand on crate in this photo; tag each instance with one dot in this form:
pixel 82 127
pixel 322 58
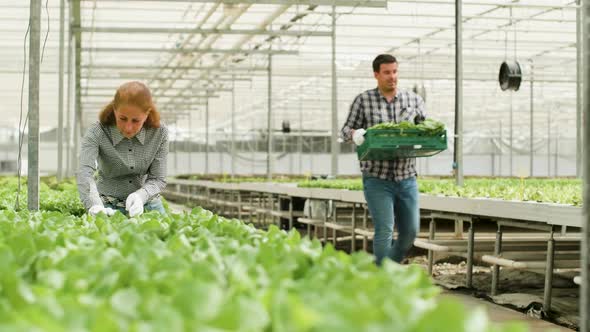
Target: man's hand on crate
pixel 358 136
pixel 419 119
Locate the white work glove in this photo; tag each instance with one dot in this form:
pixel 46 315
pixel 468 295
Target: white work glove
pixel 359 136
pixel 134 204
pixel 96 209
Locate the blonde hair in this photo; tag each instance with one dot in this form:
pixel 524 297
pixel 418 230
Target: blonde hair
pixel 132 93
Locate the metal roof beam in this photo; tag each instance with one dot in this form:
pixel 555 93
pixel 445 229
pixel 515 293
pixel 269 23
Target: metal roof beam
pixel 244 39
pixel 512 22
pixel 147 75
pixel 154 88
pixel 480 16
pixel 188 50
pixel 368 25
pixel 160 105
pixel 112 89
pixel 276 33
pixel 338 3
pixel 513 5
pixel 194 96
pixel 204 68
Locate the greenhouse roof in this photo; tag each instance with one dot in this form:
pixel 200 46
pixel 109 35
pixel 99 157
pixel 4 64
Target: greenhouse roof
pixel 195 53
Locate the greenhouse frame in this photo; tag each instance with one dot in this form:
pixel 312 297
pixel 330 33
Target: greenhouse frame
pixel 261 89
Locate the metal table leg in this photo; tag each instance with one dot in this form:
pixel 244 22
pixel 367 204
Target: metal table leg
pixel 353 239
pixel 549 273
pixel 431 231
pixel 470 245
pixel 496 267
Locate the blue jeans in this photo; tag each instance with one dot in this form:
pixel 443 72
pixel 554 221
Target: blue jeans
pixel 392 203
pixel 154 205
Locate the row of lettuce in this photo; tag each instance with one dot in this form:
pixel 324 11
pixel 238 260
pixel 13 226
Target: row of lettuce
pixel 65 271
pixel 53 195
pixel 558 190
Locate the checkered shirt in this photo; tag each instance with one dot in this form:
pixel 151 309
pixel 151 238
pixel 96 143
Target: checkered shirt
pixel 370 108
pixel 125 166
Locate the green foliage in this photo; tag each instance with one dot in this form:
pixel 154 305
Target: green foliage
pixel 428 126
pixel 240 178
pixel 350 184
pixel 563 191
pixel 53 195
pixel 201 272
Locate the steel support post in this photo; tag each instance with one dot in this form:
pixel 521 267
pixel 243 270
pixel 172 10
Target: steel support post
pixel 585 289
pixel 579 92
pixel 60 102
pixel 269 123
pixel 335 150
pixel 233 126
pixel 33 113
pixel 532 123
pixel 458 162
pixel 207 136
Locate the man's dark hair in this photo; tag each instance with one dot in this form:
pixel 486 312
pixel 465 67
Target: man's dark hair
pixel 381 59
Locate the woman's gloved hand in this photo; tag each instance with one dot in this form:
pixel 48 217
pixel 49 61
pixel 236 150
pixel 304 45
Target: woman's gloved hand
pixel 96 209
pixel 134 204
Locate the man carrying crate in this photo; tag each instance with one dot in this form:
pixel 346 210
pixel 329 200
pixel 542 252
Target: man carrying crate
pixel 390 186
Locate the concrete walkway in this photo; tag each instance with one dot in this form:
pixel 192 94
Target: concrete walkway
pixel 500 314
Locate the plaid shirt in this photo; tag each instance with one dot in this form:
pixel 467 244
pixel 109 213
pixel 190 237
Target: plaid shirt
pixel 371 108
pixel 124 165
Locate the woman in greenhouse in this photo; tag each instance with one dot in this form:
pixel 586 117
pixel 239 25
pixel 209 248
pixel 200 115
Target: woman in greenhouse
pixel 390 187
pixel 127 149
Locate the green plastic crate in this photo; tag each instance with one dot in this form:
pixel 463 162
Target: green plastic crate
pixel 389 144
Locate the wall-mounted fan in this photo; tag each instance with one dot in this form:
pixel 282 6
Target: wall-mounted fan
pixel 510 75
